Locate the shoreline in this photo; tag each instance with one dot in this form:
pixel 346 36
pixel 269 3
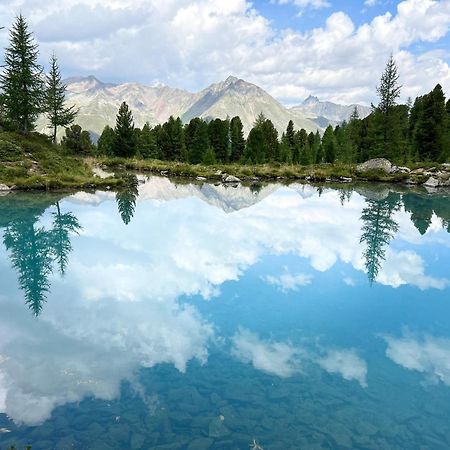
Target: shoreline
pixel 227 174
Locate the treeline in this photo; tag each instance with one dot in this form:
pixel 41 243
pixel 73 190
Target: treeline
pixel 418 131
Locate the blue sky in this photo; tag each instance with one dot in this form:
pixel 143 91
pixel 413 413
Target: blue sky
pixel 333 49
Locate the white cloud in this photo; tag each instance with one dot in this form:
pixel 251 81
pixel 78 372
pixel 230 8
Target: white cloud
pixel 192 43
pixel 428 355
pixel 347 363
pixel 289 282
pixel 302 4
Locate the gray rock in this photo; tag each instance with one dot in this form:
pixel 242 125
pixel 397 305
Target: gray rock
pixel 201 179
pixel 230 179
pixel 446 166
pixel 375 164
pixel 346 179
pixel 402 169
pixel 4 188
pixel 432 182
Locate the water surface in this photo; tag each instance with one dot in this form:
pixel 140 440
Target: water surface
pixel 193 316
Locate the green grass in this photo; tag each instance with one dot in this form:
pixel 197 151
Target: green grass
pixel 33 162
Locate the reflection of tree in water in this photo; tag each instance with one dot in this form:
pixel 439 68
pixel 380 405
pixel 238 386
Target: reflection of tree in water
pixel 126 200
pixel 378 230
pixel 34 250
pixel 63 225
pixel 32 258
pixel 421 209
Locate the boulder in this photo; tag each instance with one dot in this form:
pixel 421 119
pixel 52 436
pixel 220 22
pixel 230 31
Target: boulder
pixel 230 179
pixel 432 182
pixel 446 166
pixel 201 179
pixel 4 188
pixel 345 179
pixel 381 164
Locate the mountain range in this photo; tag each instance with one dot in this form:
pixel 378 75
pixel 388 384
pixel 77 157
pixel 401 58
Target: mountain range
pixel 98 104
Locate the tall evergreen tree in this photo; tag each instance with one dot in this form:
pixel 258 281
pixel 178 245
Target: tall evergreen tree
pixel 21 80
pixel 219 138
pixel 77 141
pixel 124 136
pixel 146 142
pixel 290 140
pixel 58 114
pixel 197 140
pixel 105 143
pixel 329 145
pixel 237 139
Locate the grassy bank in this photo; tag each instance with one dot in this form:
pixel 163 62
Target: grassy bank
pixel 33 162
pixel 263 172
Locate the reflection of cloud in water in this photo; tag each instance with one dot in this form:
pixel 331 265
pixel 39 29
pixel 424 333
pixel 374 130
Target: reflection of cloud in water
pixel 425 354
pixel 288 282
pixel 284 359
pixel 346 363
pixel 80 350
pixel 122 310
pixel 277 358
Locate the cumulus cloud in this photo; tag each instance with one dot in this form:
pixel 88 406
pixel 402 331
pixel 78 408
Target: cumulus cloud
pixel 347 363
pixel 425 354
pixel 191 43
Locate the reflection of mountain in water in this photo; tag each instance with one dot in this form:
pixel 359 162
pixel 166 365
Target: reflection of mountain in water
pixel 228 198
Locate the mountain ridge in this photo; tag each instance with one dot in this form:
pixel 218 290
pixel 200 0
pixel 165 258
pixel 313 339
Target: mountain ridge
pixel 98 103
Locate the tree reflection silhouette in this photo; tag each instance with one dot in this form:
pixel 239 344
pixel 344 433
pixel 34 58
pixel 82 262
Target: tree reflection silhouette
pixel 34 250
pixel 126 200
pixel 378 230
pixel 63 225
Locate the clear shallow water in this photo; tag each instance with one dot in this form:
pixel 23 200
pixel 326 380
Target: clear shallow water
pixel 200 316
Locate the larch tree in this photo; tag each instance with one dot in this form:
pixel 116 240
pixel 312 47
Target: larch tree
pixel 22 81
pixel 58 114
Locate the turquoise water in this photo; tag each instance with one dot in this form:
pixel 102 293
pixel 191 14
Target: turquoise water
pixel 194 316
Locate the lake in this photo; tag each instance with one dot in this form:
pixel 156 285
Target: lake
pixel 179 315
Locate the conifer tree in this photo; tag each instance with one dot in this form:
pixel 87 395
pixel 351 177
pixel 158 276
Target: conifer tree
pixel 105 143
pixel 21 80
pixel 329 145
pixel 58 114
pixel 124 136
pixel 237 139
pixel 147 142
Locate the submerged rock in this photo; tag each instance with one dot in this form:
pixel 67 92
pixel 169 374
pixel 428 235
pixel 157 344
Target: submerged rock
pixel 375 164
pixel 217 429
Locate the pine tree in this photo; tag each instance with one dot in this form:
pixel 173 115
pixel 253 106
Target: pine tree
pixel 146 142
pixel 105 143
pixel 290 140
pixel 219 138
pixel 389 89
pixel 77 141
pixel 55 94
pixel 329 145
pixel 237 139
pixel 124 136
pixel 21 80
pixel 197 140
